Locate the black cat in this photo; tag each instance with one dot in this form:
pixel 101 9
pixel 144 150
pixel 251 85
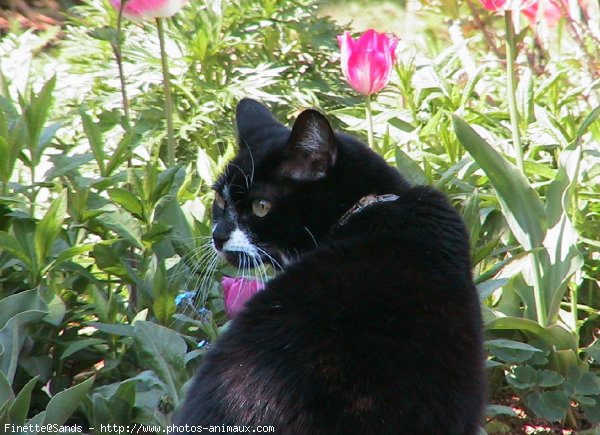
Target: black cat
pixel 373 326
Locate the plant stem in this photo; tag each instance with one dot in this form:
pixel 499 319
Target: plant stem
pixel 511 78
pixel 168 95
pixel 538 291
pixel 369 122
pixel 119 59
pixel 511 53
pixel 33 192
pixel 574 302
pixel 126 125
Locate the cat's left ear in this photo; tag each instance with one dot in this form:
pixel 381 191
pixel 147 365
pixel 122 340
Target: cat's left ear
pixel 311 149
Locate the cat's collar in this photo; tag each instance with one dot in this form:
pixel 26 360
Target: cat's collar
pixel 363 203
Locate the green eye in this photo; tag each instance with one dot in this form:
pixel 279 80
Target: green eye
pixel 261 207
pixel 219 201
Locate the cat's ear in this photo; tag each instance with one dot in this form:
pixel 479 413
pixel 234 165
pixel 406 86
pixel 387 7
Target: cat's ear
pixel 312 148
pixel 253 119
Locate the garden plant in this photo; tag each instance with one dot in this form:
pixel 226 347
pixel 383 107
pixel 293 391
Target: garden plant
pixel 114 124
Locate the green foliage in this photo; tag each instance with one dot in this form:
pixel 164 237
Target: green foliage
pixel 98 237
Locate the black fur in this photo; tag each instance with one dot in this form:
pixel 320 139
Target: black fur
pixel 375 328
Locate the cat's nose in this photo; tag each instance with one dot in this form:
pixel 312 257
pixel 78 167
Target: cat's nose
pixel 220 235
pixel 219 240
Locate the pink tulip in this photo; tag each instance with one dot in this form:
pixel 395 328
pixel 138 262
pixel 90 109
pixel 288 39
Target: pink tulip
pixel 552 11
pixel 505 5
pixel 237 291
pixel 140 10
pixel 367 62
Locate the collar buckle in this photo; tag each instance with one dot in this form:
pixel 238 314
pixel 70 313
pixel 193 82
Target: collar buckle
pixel 363 203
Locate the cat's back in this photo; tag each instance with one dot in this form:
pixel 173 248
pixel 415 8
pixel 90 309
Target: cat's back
pixel 366 334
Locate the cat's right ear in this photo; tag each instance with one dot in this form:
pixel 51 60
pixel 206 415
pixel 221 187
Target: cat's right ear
pixel 252 120
pixel 311 149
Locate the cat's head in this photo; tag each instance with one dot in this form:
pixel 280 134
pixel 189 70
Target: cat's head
pixel 287 188
pixel 277 197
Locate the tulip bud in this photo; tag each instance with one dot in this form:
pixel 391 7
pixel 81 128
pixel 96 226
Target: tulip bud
pixel 237 291
pixel 367 62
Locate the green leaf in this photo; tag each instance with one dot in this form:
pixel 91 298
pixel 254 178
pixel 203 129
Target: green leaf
pixel 593 350
pixel 12 305
pixel 35 115
pixel 549 378
pixel 94 136
pixel 156 232
pixel 116 329
pixel 592 413
pixel 124 224
pixel 6 392
pixel 472 218
pixel 520 203
pixel 495 410
pixel 12 337
pixel 554 335
pixel 163 351
pixel 562 257
pixel 124 148
pixel 511 344
pixel 57 310
pixel 164 184
pixel 79 345
pixel 409 168
pixel 522 377
pixel 551 405
pixel 587 122
pixel 105 33
pixel 65 403
pixel 116 408
pixel 128 201
pixel 64 164
pixel 12 246
pixel 164 307
pixel 66 255
pixel 8 158
pixel 557 196
pixel 488 287
pixel 20 407
pixel 584 382
pixel 48 229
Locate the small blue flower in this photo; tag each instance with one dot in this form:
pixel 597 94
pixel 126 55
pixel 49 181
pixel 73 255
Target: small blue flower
pixel 184 298
pixel 205 314
pixel 203 344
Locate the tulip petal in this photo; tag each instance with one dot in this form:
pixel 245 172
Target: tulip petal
pixel 139 10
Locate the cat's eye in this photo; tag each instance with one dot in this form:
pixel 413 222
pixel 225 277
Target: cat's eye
pixel 261 207
pixel 219 200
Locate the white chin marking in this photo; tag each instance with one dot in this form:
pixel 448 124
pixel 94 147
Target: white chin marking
pixel 239 242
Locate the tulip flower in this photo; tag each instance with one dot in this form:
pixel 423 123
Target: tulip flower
pixel 367 62
pixel 367 65
pixel 551 11
pixel 141 10
pixel 237 291
pixel 505 5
